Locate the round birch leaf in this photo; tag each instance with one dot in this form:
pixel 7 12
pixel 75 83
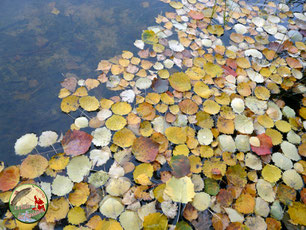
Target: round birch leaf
pixel 293 179
pixel 201 201
pixel 61 185
pixel 47 138
pixel 130 220
pixel 265 190
pixel 26 144
pixel 111 207
pixel 78 167
pixel 180 190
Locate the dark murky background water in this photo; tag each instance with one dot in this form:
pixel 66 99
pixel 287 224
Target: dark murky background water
pixel 40 41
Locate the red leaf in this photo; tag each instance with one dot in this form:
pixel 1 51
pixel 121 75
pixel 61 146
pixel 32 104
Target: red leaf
pixel 9 178
pixel 229 71
pixel 76 142
pixel 145 149
pixel 265 145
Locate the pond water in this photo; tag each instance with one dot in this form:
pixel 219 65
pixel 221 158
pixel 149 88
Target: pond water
pixel 41 42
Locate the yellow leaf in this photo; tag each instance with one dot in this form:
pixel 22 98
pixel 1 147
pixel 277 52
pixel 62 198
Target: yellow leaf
pixel 297 213
pixel 58 161
pixel 243 62
pixel 181 150
pixel 80 194
pixel 76 216
pixel 180 190
pixel 211 107
pixel 81 92
pixel 25 226
pixel 89 103
pixel 121 108
pixel 180 81
pixel 177 135
pixel 124 138
pixel 271 173
pixel 115 122
pixel 70 103
pixel 143 173
pixel 57 210
pixel 159 192
pixel 245 204
pixel 176 5
pixel 262 93
pixel 283 126
pixel 109 225
pixel 213 70
pixel 155 221
pixel 214 168
pixel 215 29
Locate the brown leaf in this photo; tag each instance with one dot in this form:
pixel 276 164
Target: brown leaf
pixel 145 149
pixel 76 142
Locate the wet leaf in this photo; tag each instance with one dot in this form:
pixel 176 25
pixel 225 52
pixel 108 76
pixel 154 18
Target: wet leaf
pixel 155 221
pixel 180 165
pixel 180 190
pixel 145 149
pixel 33 166
pixel 76 142
pixel 9 178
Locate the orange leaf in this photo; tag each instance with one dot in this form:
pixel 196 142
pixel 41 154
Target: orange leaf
pixel 9 178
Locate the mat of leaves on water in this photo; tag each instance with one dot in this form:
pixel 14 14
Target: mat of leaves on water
pixel 193 134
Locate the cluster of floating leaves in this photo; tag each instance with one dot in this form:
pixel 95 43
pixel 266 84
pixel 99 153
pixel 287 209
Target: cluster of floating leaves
pixel 193 137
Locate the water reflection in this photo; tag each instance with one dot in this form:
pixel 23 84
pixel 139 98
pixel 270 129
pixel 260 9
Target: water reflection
pixel 40 41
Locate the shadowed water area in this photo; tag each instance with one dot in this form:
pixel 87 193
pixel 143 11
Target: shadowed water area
pixel 41 42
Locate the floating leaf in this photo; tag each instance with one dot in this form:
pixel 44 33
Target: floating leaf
pixel 297 213
pixel 180 165
pixel 80 194
pixel 78 167
pixel 176 135
pixel 76 215
pixel 26 144
pixel 201 201
pixel 130 220
pixel 293 179
pixel 271 173
pixel 180 81
pixel 47 138
pixel 245 204
pixel 265 190
pixel 143 173
pixel 121 108
pixel 180 190
pixel 265 145
pixel 149 37
pixel 61 185
pixel 215 29
pixel 9 178
pixel 145 149
pixel 70 103
pixel 33 166
pixel 124 138
pixel 155 221
pixel 58 161
pixel 101 136
pixel 57 209
pixel 76 142
pixel 111 207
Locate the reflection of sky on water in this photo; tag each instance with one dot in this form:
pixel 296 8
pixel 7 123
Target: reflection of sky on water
pixel 39 46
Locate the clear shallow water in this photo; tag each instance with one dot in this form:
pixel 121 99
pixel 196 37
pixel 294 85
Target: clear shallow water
pixel 41 41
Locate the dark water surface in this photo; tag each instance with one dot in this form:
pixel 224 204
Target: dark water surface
pixel 42 41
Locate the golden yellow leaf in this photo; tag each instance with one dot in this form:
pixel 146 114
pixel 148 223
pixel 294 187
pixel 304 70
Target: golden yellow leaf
pixel 297 213
pixel 214 168
pixel 124 138
pixel 265 121
pixel 213 70
pixel 245 204
pixel 58 161
pixel 115 122
pixel 181 150
pixel 206 151
pixel 81 92
pixel 145 128
pixel 143 173
pixel 271 173
pixel 76 215
pixel 70 103
pixel 180 81
pixel 195 164
pixel 243 62
pixel 121 108
pixel 211 107
pixel 80 194
pixel 64 93
pixel 159 192
pixel 215 29
pixel 25 226
pixel 276 136
pixel 57 210
pixel 283 126
pixel 262 93
pixel 177 135
pixel 89 103
pixel 91 83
